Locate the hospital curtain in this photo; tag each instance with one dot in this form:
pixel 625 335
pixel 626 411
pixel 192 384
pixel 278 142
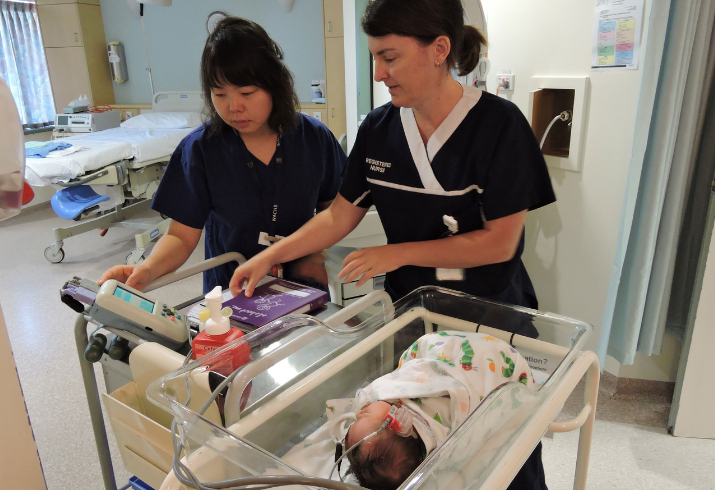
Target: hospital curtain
pixel 659 183
pixel 23 65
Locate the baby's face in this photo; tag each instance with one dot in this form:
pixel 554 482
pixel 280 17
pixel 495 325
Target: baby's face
pixel 368 420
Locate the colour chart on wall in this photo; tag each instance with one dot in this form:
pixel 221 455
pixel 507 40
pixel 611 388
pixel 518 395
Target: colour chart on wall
pixel 617 34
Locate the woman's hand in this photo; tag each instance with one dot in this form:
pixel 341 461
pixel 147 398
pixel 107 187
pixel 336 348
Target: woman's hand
pixel 169 253
pixel 246 277
pixel 370 262
pixel 134 276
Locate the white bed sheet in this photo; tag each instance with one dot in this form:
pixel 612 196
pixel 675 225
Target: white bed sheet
pixel 46 171
pixel 148 144
pixel 104 148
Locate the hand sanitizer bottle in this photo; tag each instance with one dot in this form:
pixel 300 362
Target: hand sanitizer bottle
pixel 218 333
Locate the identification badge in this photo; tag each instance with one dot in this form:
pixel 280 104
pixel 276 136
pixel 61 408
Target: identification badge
pixel 450 274
pixel 268 240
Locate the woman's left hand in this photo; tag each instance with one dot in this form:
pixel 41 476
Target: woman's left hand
pixel 370 262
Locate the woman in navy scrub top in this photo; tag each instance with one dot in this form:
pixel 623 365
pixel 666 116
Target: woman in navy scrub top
pixel 256 167
pixel 438 149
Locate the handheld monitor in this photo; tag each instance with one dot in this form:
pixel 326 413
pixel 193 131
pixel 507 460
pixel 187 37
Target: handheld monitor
pixel 119 306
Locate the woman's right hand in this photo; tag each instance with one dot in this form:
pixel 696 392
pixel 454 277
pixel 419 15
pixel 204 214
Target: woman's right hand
pixel 134 276
pixel 246 277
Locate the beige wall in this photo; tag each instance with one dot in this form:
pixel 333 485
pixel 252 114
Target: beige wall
pixel 19 462
pixel 570 246
pixel 663 367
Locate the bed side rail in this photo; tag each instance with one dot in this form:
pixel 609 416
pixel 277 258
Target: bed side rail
pixel 114 174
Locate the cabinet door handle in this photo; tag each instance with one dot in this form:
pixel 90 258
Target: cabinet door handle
pixel 332 112
pixel 76 37
pixel 330 26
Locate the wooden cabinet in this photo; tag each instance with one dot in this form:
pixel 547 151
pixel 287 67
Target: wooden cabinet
pixel 68 74
pixel 333 18
pixel 317 111
pixel 63 29
pixel 335 85
pixel 334 67
pixel 76 51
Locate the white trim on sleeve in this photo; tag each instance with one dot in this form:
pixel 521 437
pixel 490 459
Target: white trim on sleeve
pixel 359 199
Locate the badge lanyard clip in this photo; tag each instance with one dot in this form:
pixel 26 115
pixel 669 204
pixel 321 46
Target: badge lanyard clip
pixel 268 240
pixel 450 274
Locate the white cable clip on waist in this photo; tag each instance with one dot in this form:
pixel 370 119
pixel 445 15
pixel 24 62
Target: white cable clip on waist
pixel 450 274
pixel 268 240
pixel 450 223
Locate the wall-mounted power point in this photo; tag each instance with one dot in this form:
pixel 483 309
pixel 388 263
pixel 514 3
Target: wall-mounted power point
pixel 505 81
pixel 317 115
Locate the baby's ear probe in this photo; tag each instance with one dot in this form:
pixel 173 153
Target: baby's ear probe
pixel 400 421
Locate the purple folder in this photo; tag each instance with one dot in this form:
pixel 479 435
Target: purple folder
pixel 273 300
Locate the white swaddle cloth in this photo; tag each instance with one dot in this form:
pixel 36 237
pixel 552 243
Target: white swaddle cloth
pixel 441 378
pixel 444 376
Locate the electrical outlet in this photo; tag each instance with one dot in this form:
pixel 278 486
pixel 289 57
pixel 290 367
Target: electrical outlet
pixel 505 81
pixel 318 116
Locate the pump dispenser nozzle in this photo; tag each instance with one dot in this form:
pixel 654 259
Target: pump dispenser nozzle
pixel 217 324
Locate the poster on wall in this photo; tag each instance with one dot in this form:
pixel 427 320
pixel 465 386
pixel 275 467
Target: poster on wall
pixel 617 34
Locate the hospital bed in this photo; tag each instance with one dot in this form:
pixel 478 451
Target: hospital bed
pixel 275 404
pixel 122 165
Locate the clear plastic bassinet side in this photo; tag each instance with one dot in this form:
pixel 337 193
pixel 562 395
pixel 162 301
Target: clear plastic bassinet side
pixel 486 441
pixel 282 354
pixel 288 392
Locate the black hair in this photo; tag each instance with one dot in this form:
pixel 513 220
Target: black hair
pixel 425 20
pixel 390 460
pixel 241 53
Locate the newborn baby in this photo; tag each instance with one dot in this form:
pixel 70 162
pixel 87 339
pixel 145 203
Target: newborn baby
pixel 440 381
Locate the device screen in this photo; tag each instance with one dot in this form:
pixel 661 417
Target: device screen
pixel 133 299
pixel 62 120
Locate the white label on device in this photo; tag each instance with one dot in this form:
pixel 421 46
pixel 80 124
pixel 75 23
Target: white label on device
pixel 293 292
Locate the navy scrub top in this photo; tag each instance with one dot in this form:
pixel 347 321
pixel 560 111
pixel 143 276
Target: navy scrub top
pixel 482 163
pixel 209 182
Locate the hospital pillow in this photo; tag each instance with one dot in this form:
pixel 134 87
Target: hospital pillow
pixel 163 120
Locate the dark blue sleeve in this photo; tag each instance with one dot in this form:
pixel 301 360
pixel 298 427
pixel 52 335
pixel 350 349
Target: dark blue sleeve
pixel 355 188
pixel 334 159
pixel 183 193
pixel 517 178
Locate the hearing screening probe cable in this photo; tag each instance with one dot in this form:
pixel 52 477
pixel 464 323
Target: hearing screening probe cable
pixel 335 465
pixel 189 479
pixel 186 477
pixel 564 116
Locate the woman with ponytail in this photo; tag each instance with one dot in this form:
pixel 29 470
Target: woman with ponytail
pixel 451 169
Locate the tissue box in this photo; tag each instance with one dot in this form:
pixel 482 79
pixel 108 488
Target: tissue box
pixel 73 110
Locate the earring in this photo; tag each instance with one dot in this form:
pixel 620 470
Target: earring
pixel 437 63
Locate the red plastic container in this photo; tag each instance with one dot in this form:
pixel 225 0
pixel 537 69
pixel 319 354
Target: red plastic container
pixel 204 343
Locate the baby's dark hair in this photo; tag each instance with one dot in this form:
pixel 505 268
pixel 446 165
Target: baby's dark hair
pixel 389 462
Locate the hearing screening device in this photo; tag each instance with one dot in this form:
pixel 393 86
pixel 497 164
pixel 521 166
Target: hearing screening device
pixel 119 306
pixel 116 305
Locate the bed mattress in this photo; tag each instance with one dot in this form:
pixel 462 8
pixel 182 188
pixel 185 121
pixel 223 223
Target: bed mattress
pixel 104 148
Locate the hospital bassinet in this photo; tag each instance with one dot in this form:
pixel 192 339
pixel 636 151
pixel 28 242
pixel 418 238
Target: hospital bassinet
pixel 298 362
